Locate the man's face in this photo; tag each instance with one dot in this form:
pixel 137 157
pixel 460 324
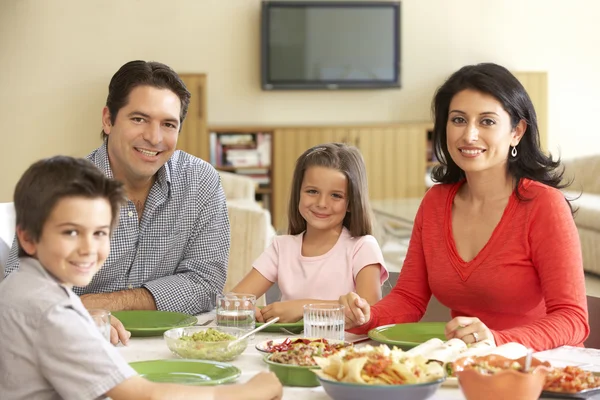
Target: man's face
pixel 144 134
pixel 75 239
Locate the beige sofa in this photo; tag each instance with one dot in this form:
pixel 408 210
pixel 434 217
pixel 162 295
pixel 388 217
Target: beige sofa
pixel 586 174
pixel 251 229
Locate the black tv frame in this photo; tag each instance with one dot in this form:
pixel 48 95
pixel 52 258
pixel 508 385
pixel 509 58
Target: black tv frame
pixel 332 84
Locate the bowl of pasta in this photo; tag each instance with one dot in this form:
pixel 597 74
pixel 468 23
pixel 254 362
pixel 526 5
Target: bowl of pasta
pixel 379 373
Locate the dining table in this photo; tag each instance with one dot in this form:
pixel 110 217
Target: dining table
pixel 251 360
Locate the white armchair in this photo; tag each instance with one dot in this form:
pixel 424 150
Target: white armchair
pixel 586 191
pixel 251 229
pixel 7 233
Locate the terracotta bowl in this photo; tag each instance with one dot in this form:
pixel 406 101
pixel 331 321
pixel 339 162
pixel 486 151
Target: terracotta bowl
pixel 508 384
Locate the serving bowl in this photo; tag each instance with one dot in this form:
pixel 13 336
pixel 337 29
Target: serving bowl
pixel 356 391
pixel 205 350
pixel 508 383
pixel 293 375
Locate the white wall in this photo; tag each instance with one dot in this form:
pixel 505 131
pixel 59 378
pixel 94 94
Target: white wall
pixel 57 56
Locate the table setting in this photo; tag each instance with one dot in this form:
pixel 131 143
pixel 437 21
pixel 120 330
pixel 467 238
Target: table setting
pixel 151 352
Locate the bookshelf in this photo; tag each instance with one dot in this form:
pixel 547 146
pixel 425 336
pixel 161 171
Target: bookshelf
pixel 247 152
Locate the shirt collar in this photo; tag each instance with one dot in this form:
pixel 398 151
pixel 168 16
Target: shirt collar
pixel 163 176
pixel 32 265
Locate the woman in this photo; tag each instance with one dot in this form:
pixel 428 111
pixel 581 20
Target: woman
pixel 495 241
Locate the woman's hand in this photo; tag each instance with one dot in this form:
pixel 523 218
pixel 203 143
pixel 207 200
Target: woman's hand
pixel 357 311
pixel 469 330
pixel 287 311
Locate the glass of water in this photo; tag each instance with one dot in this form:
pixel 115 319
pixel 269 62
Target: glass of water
pixel 324 321
pixel 102 320
pixel 236 310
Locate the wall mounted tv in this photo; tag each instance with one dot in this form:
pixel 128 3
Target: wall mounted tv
pixel 330 45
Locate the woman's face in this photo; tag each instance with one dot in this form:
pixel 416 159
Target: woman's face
pixel 479 134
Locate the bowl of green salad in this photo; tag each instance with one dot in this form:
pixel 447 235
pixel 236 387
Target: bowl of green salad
pixel 206 343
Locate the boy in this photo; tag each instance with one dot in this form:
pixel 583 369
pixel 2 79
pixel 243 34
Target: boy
pixel 66 210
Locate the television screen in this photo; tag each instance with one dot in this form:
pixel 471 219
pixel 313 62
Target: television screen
pixel 330 45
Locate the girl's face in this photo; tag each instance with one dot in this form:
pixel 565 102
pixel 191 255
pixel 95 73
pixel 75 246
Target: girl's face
pixel 323 198
pixel 479 132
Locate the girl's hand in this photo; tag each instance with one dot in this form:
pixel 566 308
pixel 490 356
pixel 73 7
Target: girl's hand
pixel 469 330
pixel 258 315
pixel 357 311
pixel 287 311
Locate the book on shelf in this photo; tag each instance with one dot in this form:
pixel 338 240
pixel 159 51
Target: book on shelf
pixel 240 150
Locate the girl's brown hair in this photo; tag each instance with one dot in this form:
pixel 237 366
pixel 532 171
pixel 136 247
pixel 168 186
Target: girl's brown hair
pixel 349 161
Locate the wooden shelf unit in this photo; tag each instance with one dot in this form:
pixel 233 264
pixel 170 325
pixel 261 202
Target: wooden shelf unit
pixel 255 154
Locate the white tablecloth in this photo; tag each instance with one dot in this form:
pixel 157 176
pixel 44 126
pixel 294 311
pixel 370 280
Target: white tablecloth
pixel 251 361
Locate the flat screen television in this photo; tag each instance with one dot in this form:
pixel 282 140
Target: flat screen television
pixel 330 45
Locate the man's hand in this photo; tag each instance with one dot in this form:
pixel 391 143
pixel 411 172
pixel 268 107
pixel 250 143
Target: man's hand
pixel 118 332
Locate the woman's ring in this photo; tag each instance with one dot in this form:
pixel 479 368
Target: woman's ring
pixel 476 337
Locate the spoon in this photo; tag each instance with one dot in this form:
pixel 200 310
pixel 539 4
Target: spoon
pixel 245 335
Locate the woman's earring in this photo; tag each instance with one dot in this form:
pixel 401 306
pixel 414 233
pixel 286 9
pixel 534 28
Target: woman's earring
pixel 514 151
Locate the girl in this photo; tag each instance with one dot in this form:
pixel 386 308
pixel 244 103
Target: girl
pixel 329 249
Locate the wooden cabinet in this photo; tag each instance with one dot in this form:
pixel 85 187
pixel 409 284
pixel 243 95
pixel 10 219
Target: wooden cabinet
pixel 394 156
pixel 193 138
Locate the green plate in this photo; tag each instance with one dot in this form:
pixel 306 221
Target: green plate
pixel 153 323
pixel 293 327
pixel 407 336
pixel 187 372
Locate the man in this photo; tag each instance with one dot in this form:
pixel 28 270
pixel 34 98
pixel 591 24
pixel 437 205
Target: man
pixel 171 246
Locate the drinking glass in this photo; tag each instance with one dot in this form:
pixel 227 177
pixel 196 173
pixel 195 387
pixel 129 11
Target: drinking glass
pixel 236 310
pixel 324 321
pixel 102 320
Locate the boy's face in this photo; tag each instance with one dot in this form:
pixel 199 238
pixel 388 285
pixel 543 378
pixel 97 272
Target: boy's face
pixel 75 239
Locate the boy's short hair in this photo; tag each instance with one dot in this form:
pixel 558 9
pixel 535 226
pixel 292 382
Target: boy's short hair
pixel 49 180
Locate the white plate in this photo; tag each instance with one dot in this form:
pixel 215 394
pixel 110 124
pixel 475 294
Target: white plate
pixel 263 346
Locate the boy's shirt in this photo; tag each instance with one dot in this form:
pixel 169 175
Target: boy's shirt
pixel 50 346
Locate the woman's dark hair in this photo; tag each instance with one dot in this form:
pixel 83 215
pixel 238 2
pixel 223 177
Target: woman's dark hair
pixel 349 161
pixel 144 73
pixel 48 181
pixel 496 81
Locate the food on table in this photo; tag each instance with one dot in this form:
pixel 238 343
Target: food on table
pixel 570 380
pixel 302 351
pixel 289 344
pixel 446 353
pixel 209 335
pixel 378 366
pixel 210 344
pixel 487 367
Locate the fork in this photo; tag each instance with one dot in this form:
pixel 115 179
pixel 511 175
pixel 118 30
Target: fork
pixel 210 321
pixel 290 332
